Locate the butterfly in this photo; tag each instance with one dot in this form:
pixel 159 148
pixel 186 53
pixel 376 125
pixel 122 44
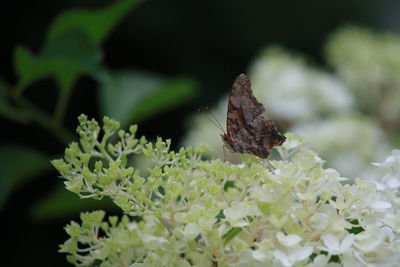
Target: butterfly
pixel 247 130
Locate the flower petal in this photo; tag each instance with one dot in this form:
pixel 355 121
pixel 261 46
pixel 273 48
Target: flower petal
pixel 303 253
pixel 347 242
pixel 288 240
pixel 380 204
pixel 331 242
pixel 281 256
pixel 387 163
pixel 261 254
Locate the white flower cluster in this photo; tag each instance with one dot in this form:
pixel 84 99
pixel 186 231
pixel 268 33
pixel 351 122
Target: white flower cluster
pixel 348 143
pixel 293 91
pixel 391 181
pixel 373 206
pixel 369 64
pixel 194 212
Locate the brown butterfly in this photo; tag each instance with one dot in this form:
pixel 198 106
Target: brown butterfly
pixel 247 130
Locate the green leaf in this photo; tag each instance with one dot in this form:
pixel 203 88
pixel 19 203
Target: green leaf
pixel 231 234
pixel 64 58
pixel 96 24
pixel 130 96
pixel 72 46
pixel 17 166
pixel 28 67
pixel 62 203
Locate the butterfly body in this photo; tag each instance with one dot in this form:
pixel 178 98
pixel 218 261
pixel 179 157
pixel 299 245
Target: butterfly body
pixel 247 130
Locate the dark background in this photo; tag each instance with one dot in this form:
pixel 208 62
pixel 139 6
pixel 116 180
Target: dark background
pixel 210 41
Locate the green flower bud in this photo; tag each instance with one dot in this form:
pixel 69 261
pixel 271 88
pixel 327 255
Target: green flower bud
pixel 98 166
pixel 111 148
pixel 75 184
pixel 101 253
pixel 182 152
pixel 94 218
pixel 156 172
pixel 104 226
pixel 133 129
pixel 200 150
pixel 114 164
pixel 61 166
pixel 142 140
pixel 213 189
pixel 73 229
pixel 113 220
pixel 121 134
pixel 133 143
pixel 70 246
pixel 85 158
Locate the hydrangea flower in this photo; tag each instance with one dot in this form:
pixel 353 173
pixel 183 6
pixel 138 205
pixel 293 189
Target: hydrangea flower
pixel 292 256
pixel 369 64
pixel 334 247
pixel 292 91
pixel 192 212
pixel 348 143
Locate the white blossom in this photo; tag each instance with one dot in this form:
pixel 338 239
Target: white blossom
pixel 290 257
pixel 334 247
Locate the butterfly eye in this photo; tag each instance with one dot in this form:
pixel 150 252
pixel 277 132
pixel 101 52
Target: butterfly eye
pixel 258 139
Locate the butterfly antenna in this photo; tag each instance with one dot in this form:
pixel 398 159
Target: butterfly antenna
pixel 224 146
pixel 215 121
pixel 215 118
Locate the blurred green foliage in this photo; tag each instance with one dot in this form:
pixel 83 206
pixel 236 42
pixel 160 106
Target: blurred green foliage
pixel 17 166
pixel 72 49
pixel 153 94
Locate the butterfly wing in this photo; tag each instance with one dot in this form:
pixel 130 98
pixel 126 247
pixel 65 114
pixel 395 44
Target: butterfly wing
pixel 265 136
pixel 247 131
pixel 242 102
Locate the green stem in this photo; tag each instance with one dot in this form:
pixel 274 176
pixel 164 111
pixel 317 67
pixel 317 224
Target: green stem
pixel 43 119
pixel 18 89
pixel 61 106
